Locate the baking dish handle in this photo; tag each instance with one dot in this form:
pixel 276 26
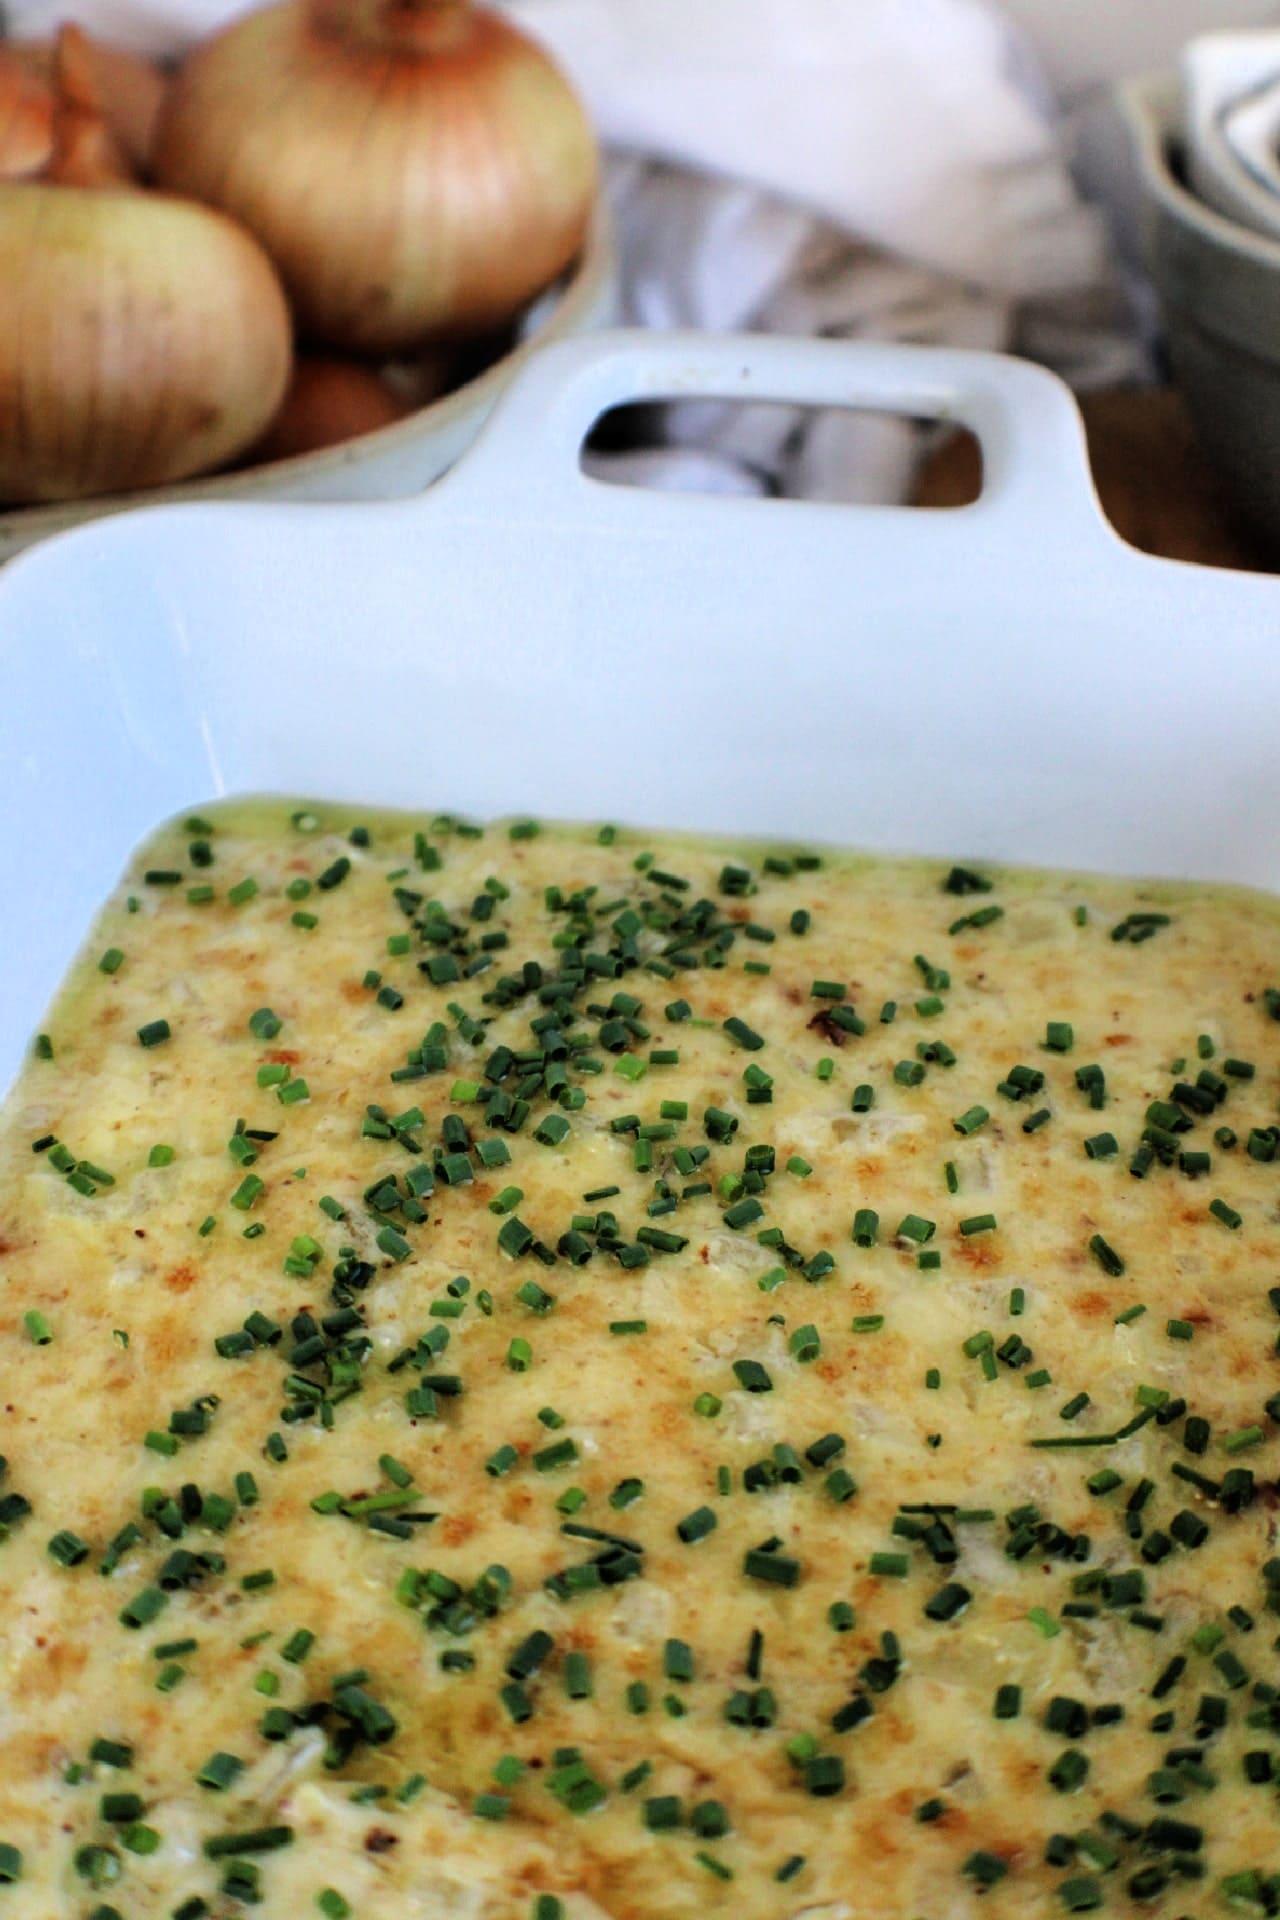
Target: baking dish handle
pixel 1035 461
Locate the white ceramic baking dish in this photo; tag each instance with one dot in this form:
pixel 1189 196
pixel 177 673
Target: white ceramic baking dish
pixel 1005 680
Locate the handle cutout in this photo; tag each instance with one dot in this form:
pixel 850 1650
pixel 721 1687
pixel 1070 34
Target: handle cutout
pixel 869 456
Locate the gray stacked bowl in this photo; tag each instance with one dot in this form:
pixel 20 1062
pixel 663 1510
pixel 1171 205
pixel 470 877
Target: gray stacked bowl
pixel 1219 288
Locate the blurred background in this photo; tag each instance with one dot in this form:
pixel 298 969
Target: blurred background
pixel 406 196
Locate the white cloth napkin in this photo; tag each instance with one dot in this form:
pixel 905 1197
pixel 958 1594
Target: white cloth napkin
pixel 1231 95
pixel 906 124
pixel 889 168
pixel 845 168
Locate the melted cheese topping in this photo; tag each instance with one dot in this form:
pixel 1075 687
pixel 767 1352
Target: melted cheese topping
pixel 793 1709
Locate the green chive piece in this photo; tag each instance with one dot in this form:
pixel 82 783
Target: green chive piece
pixel 68 1549
pixel 866 1227
pixel 224 1846
pixel 775 1569
pixel 948 1602
pixel 805 1343
pixel 251 1188
pixel 219 1771
pixel 1106 1256
pixel 696 1525
pixel 752 1376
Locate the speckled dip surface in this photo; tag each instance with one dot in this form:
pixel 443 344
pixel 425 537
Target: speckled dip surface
pixel 558 1371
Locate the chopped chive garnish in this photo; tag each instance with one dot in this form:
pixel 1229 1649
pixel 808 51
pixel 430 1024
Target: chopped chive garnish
pixel 68 1549
pixel 1106 1256
pixel 805 1343
pixel 771 1567
pixel 866 1227
pixel 696 1525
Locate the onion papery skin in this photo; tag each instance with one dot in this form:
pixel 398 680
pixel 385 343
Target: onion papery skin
pixel 417 169
pixel 129 92
pixel 86 151
pixel 26 118
pixel 142 340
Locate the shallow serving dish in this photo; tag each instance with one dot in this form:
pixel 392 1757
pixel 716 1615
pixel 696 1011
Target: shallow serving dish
pixel 1003 681
pixel 1007 679
pixel 393 461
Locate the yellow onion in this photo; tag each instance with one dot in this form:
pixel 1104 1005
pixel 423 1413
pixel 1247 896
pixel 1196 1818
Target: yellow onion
pixel 328 402
pixel 142 339
pixel 26 118
pixel 127 91
pixel 417 169
pixel 86 152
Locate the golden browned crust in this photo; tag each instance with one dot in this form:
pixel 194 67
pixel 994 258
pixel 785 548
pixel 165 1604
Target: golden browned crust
pixel 938 1796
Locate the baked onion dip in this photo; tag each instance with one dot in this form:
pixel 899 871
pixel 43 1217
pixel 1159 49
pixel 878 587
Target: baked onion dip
pixel 573 1374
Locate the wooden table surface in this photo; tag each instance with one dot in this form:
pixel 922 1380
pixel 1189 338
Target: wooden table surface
pixel 1157 489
